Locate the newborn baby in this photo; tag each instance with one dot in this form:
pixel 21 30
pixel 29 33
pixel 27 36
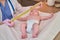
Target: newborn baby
pixel 33 21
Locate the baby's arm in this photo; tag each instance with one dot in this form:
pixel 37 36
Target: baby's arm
pixel 47 16
pixel 22 19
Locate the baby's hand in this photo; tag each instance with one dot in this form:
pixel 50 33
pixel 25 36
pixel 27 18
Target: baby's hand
pixel 37 6
pixel 9 22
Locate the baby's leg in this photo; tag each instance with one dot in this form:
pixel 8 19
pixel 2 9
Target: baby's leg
pixel 35 30
pixel 23 30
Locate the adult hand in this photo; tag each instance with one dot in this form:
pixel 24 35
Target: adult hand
pixel 1 23
pixel 9 22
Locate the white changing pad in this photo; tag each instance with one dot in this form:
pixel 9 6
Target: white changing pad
pixel 48 30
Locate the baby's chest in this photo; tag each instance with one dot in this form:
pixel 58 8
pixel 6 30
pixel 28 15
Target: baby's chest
pixel 34 17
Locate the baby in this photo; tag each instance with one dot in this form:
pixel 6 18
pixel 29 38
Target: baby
pixel 32 22
pixel 33 19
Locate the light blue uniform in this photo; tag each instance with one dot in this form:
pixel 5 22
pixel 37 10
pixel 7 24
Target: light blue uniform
pixel 6 12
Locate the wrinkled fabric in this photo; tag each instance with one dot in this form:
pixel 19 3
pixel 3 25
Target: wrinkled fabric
pixel 46 30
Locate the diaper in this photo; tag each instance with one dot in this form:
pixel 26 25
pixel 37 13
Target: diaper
pixel 30 25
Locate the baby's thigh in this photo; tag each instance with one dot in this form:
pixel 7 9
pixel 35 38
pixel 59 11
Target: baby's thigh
pixel 23 23
pixel 36 25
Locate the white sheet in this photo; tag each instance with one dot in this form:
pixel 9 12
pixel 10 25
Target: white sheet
pixel 48 30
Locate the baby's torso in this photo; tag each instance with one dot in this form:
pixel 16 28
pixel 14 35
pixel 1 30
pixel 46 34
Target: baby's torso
pixel 34 17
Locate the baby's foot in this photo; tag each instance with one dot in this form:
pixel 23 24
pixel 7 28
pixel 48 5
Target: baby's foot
pixel 35 35
pixel 24 36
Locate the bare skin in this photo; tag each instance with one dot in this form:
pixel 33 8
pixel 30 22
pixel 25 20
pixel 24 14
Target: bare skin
pixel 3 2
pixel 34 14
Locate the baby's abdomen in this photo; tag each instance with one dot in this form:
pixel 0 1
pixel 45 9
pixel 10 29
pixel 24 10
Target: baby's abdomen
pixel 35 18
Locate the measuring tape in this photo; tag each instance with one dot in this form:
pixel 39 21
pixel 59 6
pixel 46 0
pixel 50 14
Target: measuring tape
pixel 25 12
